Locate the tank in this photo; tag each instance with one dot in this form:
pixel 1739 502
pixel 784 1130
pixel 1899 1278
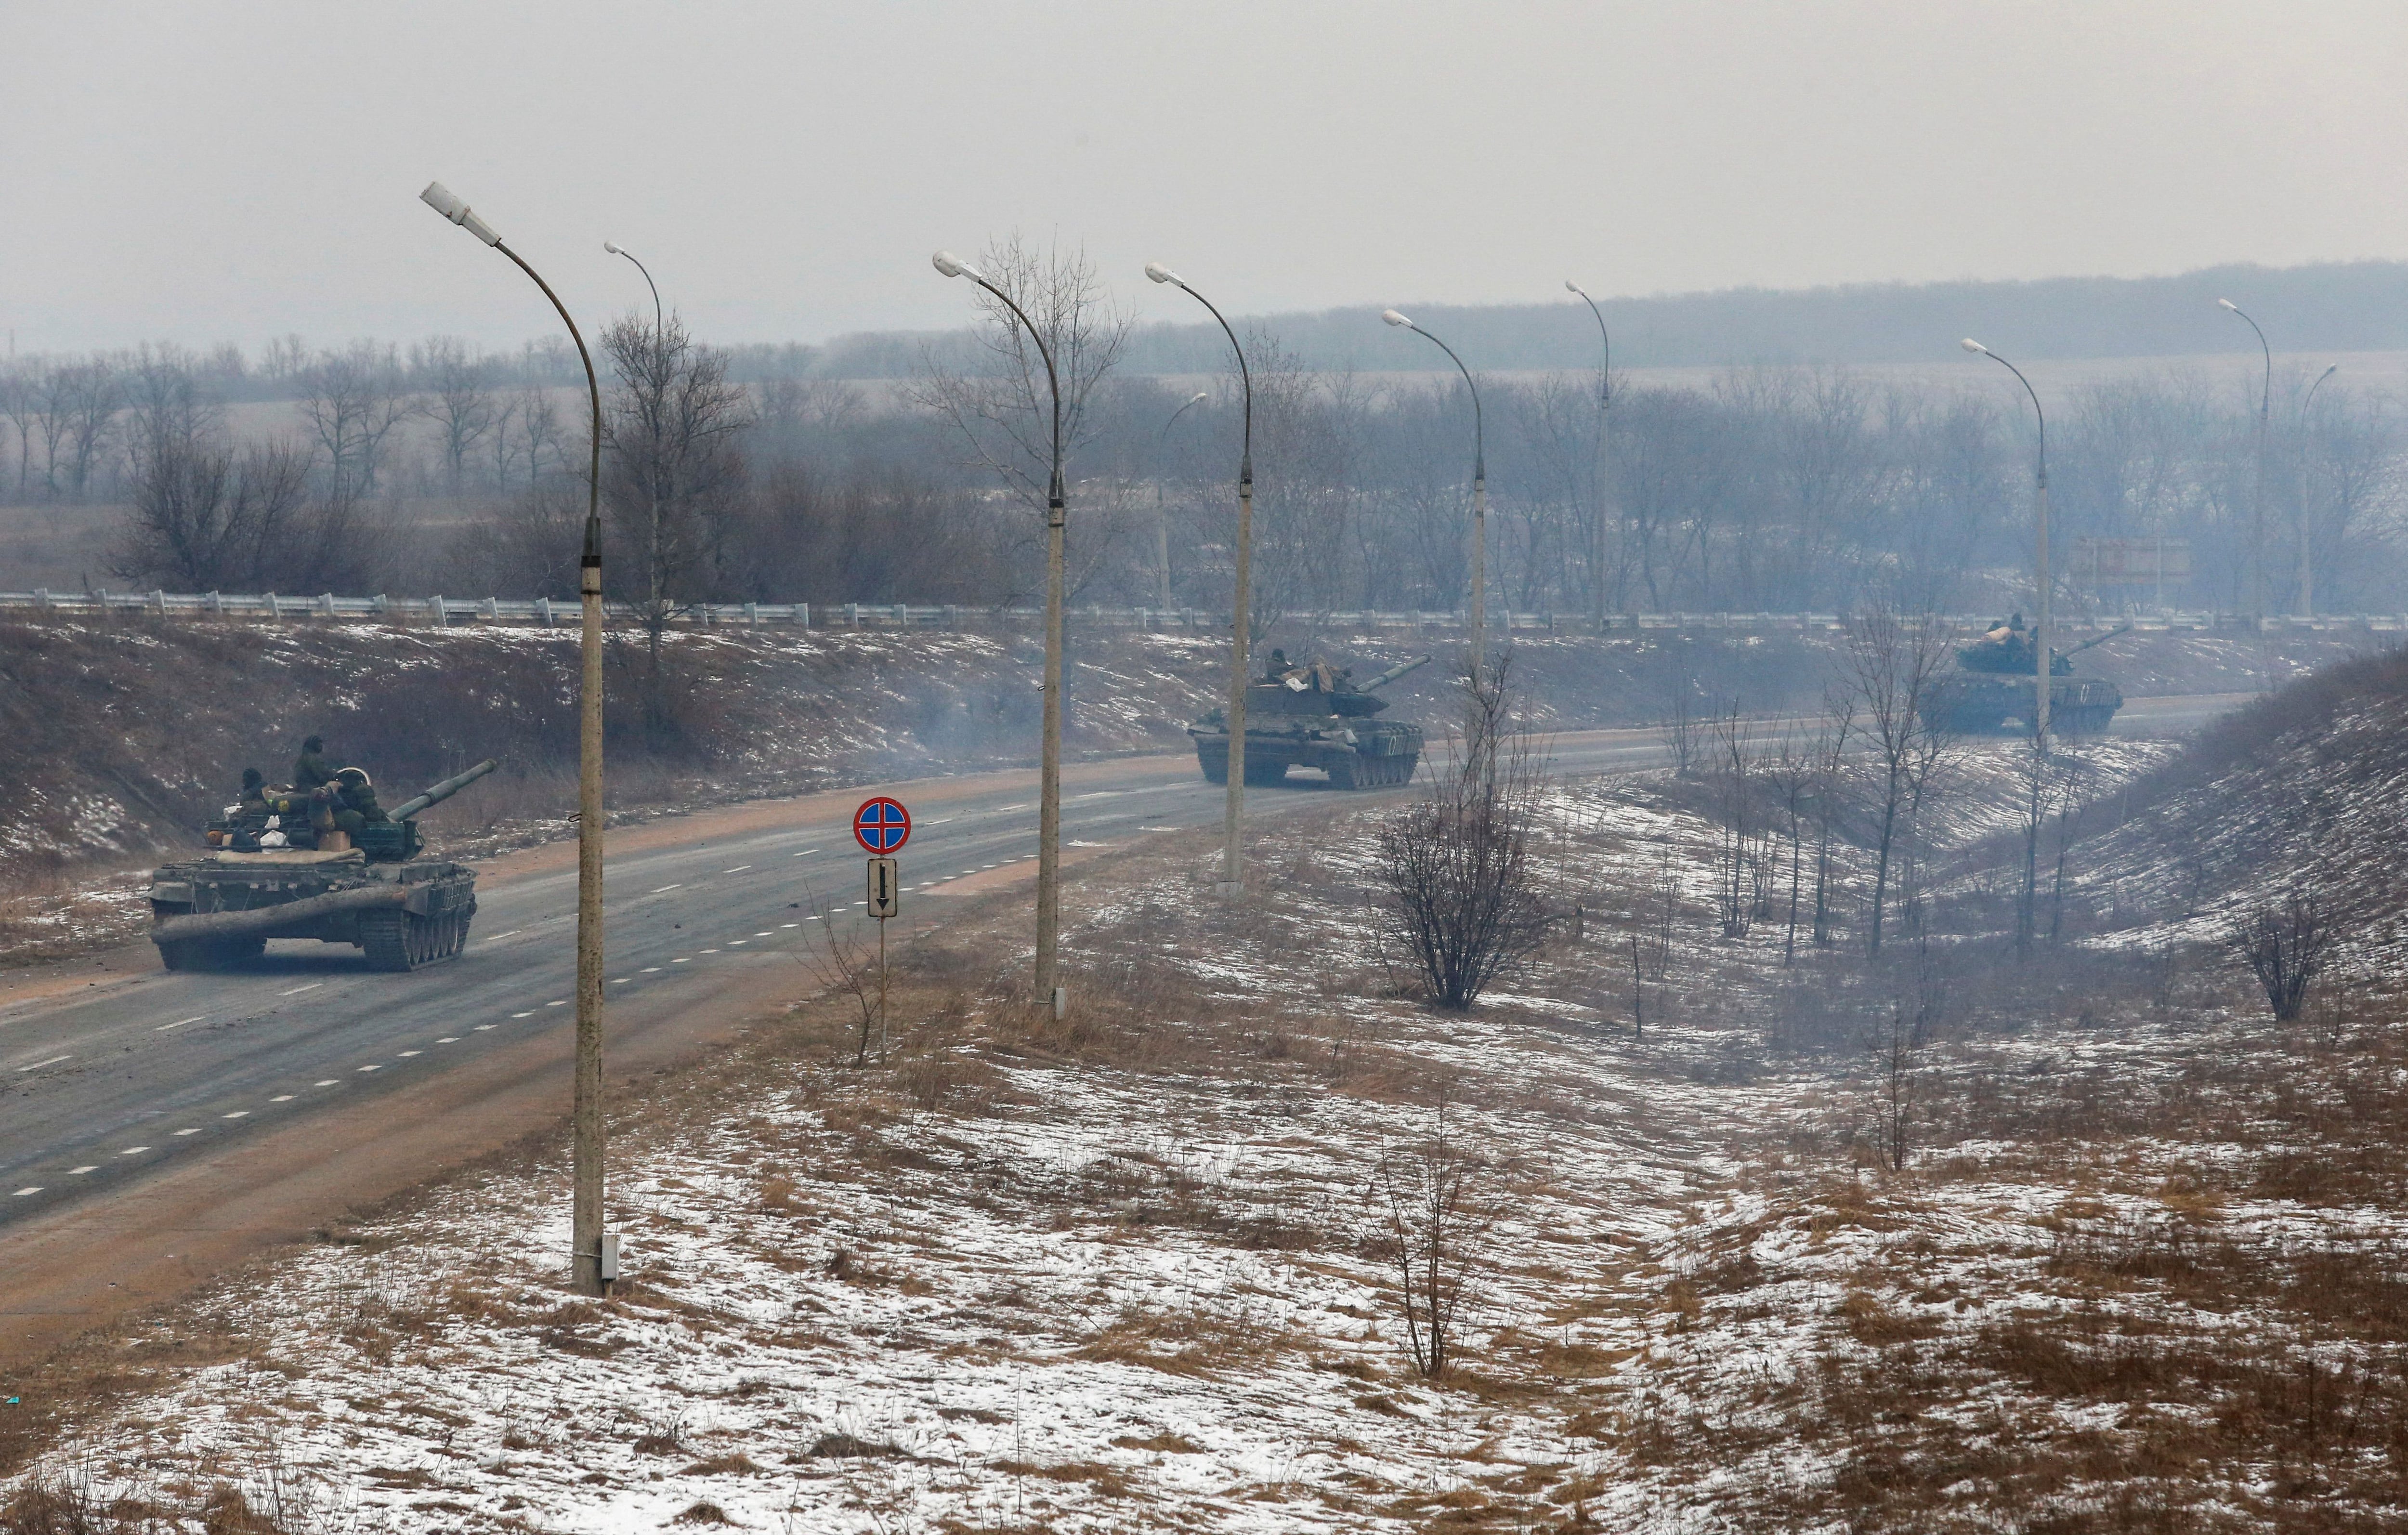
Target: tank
pixel 1993 691
pixel 1314 716
pixel 373 891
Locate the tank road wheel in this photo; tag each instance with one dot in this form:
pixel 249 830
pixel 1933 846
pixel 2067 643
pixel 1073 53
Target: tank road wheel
pixel 1353 772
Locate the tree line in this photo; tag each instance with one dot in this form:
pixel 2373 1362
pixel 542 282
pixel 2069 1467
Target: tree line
pixel 1775 489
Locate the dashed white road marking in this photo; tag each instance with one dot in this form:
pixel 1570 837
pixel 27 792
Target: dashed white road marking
pixel 621 980
pixel 134 1150
pixel 181 1021
pixel 193 1130
pixel 733 943
pixel 78 1172
pixel 956 817
pixel 742 867
pixel 406 1053
pixel 454 1038
pixel 563 1001
pixel 486 1028
pixel 714 950
pixel 330 1082
pixel 530 1013
pixel 515 931
pixel 281 1098
pixel 681 885
pixel 22 1192
pixel 682 960
pixel 654 969
pixel 298 990
pixel 799 925
pixel 372 1067
pixel 773 935
pixel 807 852
pixel 238 1113
pixel 53 1061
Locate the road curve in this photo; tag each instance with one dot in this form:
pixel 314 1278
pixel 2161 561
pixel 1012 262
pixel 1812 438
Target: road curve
pixel 158 1113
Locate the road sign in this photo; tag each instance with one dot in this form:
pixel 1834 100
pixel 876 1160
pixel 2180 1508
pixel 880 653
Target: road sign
pixel 882 826
pixel 885 888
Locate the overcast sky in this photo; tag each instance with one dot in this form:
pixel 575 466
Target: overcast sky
pixel 207 172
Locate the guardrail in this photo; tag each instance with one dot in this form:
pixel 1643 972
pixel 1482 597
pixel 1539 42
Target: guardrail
pixel 543 612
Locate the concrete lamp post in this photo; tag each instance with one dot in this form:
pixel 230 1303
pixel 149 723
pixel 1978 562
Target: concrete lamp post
pixel 595 1256
pixel 2258 510
pixel 2040 525
pixel 659 325
pixel 1604 457
pixel 1233 816
pixel 2307 586
pixel 1049 813
pixel 1479 497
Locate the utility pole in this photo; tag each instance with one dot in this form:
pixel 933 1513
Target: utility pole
pixel 1233 813
pixel 1479 499
pixel 1597 556
pixel 1049 790
pixel 1161 511
pixel 2046 635
pixel 593 1254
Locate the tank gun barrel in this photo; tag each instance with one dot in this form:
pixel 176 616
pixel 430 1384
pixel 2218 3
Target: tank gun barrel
pixel 1392 673
pixel 442 791
pixel 2097 639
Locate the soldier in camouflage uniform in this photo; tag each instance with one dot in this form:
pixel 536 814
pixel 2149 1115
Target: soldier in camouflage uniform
pixel 311 768
pixel 355 801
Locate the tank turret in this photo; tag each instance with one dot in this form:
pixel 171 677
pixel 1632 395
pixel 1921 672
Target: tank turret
pixel 1314 715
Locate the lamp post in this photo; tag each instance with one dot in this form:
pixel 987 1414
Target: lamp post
pixel 1233 813
pixel 658 324
pixel 1161 513
pixel 1604 455
pixel 1049 792
pixel 1478 498
pixel 2040 522
pixel 2257 511
pixel 586 1237
pixel 2307 587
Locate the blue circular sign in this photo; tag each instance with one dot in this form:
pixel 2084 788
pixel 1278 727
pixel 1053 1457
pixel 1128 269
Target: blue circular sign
pixel 882 825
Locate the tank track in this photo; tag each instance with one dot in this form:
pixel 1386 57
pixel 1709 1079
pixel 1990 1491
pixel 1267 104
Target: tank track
pixel 401 941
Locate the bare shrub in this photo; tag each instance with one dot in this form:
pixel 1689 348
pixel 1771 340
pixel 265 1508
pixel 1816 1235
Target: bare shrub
pixel 1891 663
pixel 1461 893
pixel 1432 1228
pixel 2286 947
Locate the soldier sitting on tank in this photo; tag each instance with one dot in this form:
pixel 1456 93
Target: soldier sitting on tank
pixel 311 768
pixel 355 801
pixel 1277 668
pixel 252 803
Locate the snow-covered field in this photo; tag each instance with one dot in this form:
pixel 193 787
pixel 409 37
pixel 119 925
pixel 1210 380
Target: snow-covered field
pixel 1139 1270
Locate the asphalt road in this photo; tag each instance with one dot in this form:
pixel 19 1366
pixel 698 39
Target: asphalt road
pixel 108 1084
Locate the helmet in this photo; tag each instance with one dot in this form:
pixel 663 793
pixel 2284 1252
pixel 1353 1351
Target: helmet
pixel 356 775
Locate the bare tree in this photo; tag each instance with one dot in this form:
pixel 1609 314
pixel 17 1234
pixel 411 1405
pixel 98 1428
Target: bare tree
pixel 207 519
pixel 1891 663
pixel 1894 1068
pixel 2288 946
pixel 1743 855
pixel 1461 894
pixel 1433 1222
pixel 459 400
pixel 675 473
pixel 353 399
pixel 999 403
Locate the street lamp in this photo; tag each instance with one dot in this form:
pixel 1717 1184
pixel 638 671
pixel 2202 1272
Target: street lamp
pixel 658 326
pixel 1162 513
pixel 1479 497
pixel 2040 520
pixel 1604 458
pixel 1232 814
pixel 1049 793
pixel 586 1238
pixel 2307 587
pixel 2257 511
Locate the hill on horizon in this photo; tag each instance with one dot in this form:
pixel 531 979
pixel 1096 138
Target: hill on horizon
pixel 2339 307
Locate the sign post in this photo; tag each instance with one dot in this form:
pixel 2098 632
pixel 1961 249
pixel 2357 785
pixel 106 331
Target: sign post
pixel 881 826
